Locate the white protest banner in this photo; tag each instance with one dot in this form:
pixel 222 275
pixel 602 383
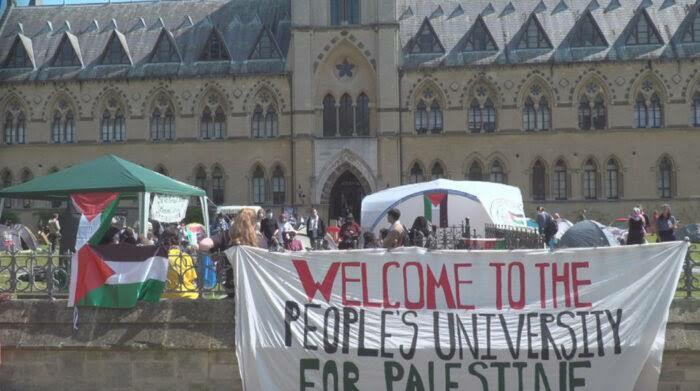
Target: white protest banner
pixel 408 319
pixel 168 209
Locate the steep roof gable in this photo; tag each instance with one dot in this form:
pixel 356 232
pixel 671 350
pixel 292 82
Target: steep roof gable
pixel 68 52
pixel 532 35
pixel 116 52
pixel 642 31
pixel 265 47
pixel 479 38
pixel 215 48
pixel 691 33
pixel 21 54
pixel 586 33
pixel 165 50
pixel 426 41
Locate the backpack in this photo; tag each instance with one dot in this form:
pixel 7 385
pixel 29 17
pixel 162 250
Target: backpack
pixel 552 227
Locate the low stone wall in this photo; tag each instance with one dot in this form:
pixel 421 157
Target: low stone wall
pixel 189 346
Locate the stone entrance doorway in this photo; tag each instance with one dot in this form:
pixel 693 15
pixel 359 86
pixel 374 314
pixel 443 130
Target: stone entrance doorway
pixel 346 196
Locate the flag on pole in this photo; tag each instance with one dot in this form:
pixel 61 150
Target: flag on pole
pixel 114 276
pixel 435 208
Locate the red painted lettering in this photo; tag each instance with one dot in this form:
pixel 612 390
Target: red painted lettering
pixel 310 285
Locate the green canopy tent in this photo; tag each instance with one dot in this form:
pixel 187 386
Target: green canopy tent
pixel 107 174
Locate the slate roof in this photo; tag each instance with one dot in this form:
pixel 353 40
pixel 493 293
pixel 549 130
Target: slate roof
pixel 190 22
pixel 505 20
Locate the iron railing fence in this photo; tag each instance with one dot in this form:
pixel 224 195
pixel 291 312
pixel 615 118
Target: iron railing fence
pixel 203 275
pixel 514 237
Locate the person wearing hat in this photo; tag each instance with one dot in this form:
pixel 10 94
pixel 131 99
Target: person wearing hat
pixel 349 233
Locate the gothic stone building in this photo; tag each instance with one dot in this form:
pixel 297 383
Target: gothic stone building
pixel 584 105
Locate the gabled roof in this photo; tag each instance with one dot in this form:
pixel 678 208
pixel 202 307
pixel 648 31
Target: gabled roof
pixel 642 21
pixel 165 50
pixel 21 54
pixel 68 52
pixel 586 33
pixel 417 45
pixel 479 30
pixel 116 52
pixel 523 39
pixel 265 47
pixel 215 40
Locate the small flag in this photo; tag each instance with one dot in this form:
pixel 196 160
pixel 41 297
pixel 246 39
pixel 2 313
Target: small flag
pixel 435 208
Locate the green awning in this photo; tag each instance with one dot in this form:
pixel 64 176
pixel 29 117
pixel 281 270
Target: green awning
pixel 106 174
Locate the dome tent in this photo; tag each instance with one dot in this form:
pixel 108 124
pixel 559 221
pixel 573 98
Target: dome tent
pixel 587 233
pixel 444 203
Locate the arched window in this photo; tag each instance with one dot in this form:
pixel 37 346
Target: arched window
pixel 345 12
pixel 200 179
pixel 15 124
pixel 362 115
pixel 437 171
pixel 475 120
pixel 26 177
pixel 271 127
pixel 330 123
pixel 600 115
pixel 259 194
pixel 346 116
pixel 656 117
pixel 476 173
pixel 612 180
pixel 113 124
pixel 666 179
pixel 497 174
pixel 435 118
pixel 213 120
pixel 7 182
pixel 696 106
pixel 162 119
pixel 539 181
pixel 421 118
pixel 257 122
pixel 489 116
pixel 416 174
pixel 640 112
pixel 217 185
pixel 544 118
pixel 584 114
pixel 529 115
pixel 561 181
pixel 279 186
pixel 590 180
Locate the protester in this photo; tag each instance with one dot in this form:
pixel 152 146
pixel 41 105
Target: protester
pixel 370 240
pixel 54 227
pixel 222 222
pixel 645 216
pixel 284 230
pixel 268 226
pixel 349 234
pixel 182 275
pixel 127 236
pixel 396 236
pixel 243 232
pixel 547 226
pixel 315 229
pixel 334 231
pixel 421 233
pixel 666 225
pixel 636 231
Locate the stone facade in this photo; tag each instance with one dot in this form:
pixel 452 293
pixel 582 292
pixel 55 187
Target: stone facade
pixel 369 58
pixel 189 345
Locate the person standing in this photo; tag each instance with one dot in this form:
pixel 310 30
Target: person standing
pixel 54 232
pixel 396 236
pixel 268 226
pixel 315 229
pixel 666 225
pixel 547 226
pixel 636 230
pixel 284 230
pixel 349 233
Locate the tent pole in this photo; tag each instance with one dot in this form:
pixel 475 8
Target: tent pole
pixel 205 213
pixel 144 199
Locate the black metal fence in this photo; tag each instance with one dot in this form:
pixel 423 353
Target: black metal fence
pixel 514 237
pixel 208 276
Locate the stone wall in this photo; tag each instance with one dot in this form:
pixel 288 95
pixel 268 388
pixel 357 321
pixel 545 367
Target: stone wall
pixel 189 346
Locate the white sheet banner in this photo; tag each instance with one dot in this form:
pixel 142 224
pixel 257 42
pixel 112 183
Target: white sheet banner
pixel 168 209
pixel 407 319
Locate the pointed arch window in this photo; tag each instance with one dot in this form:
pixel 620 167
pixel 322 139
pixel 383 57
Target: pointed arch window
pixel 544 117
pixel 476 172
pixel 26 177
pixel 271 125
pixel 345 12
pixel 416 174
pixel 258 184
pixel 600 115
pixel 330 122
pixel 539 181
pixel 257 122
pixel 640 112
pixel 217 185
pixel 435 118
pixel 113 124
pixel 475 119
pixel 162 120
pixel 7 182
pixel 421 118
pixel 696 108
pixel 428 118
pixel 656 114
pixel 346 120
pixel 362 115
pixel 612 180
pixel 15 126
pixel 561 181
pixel 529 115
pixel 590 180
pixel 497 174
pixel 213 120
pixel 584 114
pixel 437 172
pixel 63 127
pixel 489 116
pixel 279 186
pixel 666 178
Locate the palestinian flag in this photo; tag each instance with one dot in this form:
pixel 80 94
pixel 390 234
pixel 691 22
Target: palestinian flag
pixel 435 208
pixel 97 210
pixel 118 275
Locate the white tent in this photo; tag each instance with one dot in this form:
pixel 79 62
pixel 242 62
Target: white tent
pixel 446 203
